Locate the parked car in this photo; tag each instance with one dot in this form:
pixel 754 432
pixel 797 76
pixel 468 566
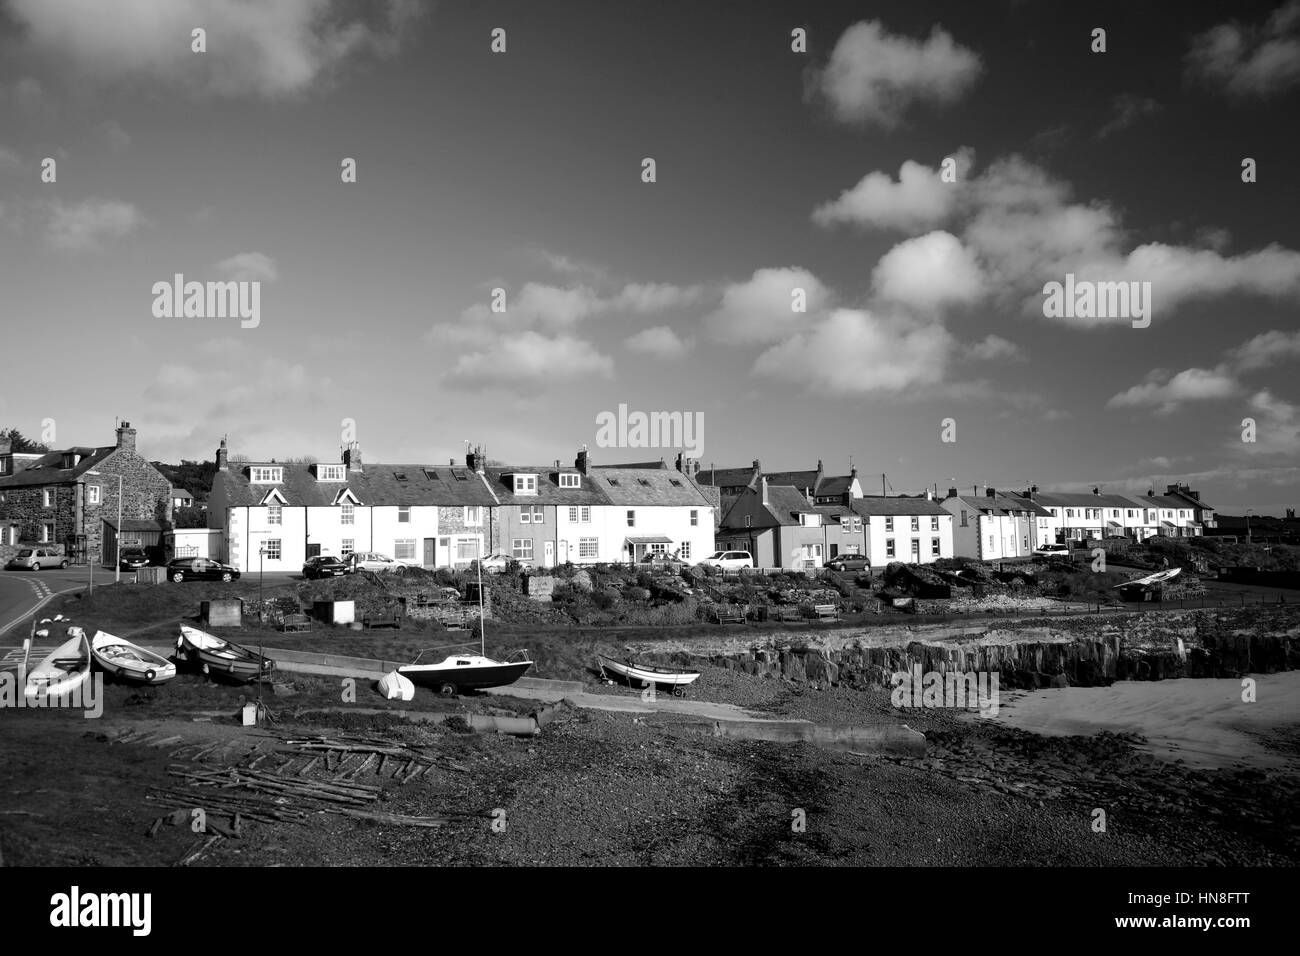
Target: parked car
pixel 1052 550
pixel 729 559
pixel 495 562
pixel 370 561
pixel 323 566
pixel 133 559
pixel 849 562
pixel 199 569
pixel 33 559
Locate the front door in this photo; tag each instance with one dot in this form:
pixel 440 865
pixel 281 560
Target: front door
pixel 548 554
pixel 430 552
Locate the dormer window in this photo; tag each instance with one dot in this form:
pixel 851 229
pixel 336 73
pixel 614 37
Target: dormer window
pixel 570 479
pixel 525 484
pixel 266 474
pixel 331 473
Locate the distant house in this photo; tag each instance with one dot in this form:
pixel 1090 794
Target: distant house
pixel 912 530
pixel 815 484
pixel 69 498
pixel 995 526
pixel 777 524
pixel 181 499
pixel 649 511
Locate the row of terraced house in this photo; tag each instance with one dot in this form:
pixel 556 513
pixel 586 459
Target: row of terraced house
pixel 275 515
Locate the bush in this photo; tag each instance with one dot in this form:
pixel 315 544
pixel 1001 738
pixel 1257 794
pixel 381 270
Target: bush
pixel 604 600
pixel 637 594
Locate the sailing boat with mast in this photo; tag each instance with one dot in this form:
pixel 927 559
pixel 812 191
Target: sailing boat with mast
pixel 461 672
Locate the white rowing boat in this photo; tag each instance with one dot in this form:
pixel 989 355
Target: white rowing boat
pixel 120 657
pixel 643 675
pixel 63 671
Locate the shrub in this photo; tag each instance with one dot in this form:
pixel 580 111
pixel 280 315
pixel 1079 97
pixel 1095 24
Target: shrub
pixel 604 600
pixel 637 594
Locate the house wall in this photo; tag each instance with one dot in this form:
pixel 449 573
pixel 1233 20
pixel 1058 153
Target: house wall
pixel 569 533
pixel 512 526
pixel 671 521
pixel 836 541
pixel 903 536
pixel 459 535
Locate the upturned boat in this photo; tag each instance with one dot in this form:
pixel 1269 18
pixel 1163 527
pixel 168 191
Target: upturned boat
pixel 65 669
pixel 218 657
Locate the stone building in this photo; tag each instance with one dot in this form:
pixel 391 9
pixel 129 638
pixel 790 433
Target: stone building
pixel 68 499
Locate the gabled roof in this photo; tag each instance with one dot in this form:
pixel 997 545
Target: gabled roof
pixel 648 486
pixel 549 492
pixel 725 477
pixel 1169 501
pixel 786 501
pixel 49 470
pixel 799 480
pixel 982 505
pixel 377 485
pixel 1053 499
pixel 894 505
pixel 834 485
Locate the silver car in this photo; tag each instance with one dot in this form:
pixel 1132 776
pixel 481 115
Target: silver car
pixel 33 559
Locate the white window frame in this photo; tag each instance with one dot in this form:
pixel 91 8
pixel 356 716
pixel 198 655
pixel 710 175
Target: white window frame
pixel 569 479
pixel 891 550
pixel 404 544
pixel 347 546
pixel 589 548
pixel 525 514
pixel 934 547
pixel 685 550
pixel 47 498
pixel 331 472
pixel 889 522
pixel 585 514
pixel 916 522
pixel 857 526
pixel 274 548
pixel 403 515
pixel 525 484
pixel 695 518
pixel 539 515
pixel 93 493
pixel 274 513
pixel 266 475
pixel 934 522
pixel 473 516
pixel 347 513
pixel 631 517
pixel 521 549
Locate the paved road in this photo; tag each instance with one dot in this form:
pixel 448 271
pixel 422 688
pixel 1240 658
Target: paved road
pixel 21 592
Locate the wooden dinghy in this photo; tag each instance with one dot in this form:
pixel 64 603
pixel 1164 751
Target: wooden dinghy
pixel 643 675
pixel 217 657
pixel 63 671
pixel 119 657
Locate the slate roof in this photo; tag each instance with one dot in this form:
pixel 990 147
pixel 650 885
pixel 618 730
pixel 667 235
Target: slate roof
pixel 894 505
pixel 983 505
pixel 1170 501
pixel 834 485
pixel 786 501
pixel 49 470
pixel 1053 499
pixel 549 492
pixel 648 487
pixel 377 485
pixel 725 477
pixel 1016 503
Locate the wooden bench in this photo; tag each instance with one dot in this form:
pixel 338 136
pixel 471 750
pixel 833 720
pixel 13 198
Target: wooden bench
pixel 295 622
pixel 826 612
pixel 729 615
pixel 386 619
pixel 783 612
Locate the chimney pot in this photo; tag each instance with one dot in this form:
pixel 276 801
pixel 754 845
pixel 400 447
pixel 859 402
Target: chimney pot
pixel 991 492
pixel 223 457
pixel 952 492
pixel 126 437
pixel 582 462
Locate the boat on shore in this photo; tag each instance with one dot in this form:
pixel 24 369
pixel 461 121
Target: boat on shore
pixel 461 672
pixel 644 675
pixel 217 657
pixel 65 669
pixel 119 657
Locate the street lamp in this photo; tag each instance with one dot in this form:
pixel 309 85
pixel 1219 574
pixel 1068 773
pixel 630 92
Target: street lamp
pixel 117 558
pixel 1248 511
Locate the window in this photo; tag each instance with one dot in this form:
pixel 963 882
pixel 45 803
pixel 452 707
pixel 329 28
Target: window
pixel 265 475
pixel 990 542
pixel 538 515
pixel 466 549
pixel 588 547
pixel 613 482
pixel 916 549
pixel 934 522
pixel 889 524
pixel 47 532
pixel 695 518
pixel 525 515
pixel 1131 513
pixel 889 547
pixel 916 523
pixel 404 549
pixel 473 515
pixel 964 521
pixel 934 547
pixel 92 494
pixel 674 482
pixel 643 482
pixel 1069 512
pixel 573 513
pixel 273 514
pixel 1026 543
pixel 525 484
pixel 586 513
pixel 631 518
pixel 331 473
pixel 347 513
pixel 47 498
pixel 459 474
pixel 810 521
pixel 347 547
pixel 749 521
pixel 522 549
pixel 845 525
pixel 857 525
pixel 685 551
pixel 404 514
pixel 570 480
pixel 272 547
pixel 657 547
pixel 400 475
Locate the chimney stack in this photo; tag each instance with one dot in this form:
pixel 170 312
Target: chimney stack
pixel 582 462
pixel 223 457
pixel 126 437
pixel 475 460
pixel 928 495
pixel 1096 491
pixel 952 492
pixel 762 482
pixel 991 492
pixel 352 456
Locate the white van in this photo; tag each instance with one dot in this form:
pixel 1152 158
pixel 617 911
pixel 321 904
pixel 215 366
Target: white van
pixel 729 559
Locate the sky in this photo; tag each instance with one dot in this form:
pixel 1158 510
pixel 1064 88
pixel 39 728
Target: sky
pixel 785 170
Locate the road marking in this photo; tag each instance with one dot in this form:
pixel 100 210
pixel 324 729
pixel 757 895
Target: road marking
pixel 42 600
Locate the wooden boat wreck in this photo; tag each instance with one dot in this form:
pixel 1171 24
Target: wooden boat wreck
pixel 217 657
pixel 646 675
pixel 61 673
pixel 119 657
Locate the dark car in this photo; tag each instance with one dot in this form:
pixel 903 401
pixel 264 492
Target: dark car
pixel 133 559
pixel 200 569
pixel 849 562
pixel 323 566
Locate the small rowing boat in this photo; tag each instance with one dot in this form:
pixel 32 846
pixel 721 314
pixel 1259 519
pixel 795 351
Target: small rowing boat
pixel 217 657
pixel 117 656
pixel 644 675
pixel 63 671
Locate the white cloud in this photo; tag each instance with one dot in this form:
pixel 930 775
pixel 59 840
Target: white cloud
pixel 929 272
pixel 1277 427
pixel 760 310
pixel 115 136
pixel 660 341
pixel 1253 60
pixel 1265 349
pixel 267 49
pixel 254 266
pixel 647 297
pixel 855 352
pixel 84 225
pixel 1166 393
pixel 531 360
pixel 919 200
pixel 993 347
pixel 1127 109
pixel 874 76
